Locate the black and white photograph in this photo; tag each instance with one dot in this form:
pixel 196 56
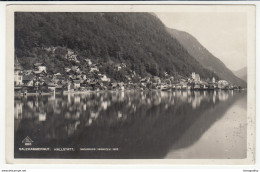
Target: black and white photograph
pixel 132 84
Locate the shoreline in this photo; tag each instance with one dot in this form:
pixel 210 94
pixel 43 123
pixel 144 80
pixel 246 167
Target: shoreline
pixel 126 90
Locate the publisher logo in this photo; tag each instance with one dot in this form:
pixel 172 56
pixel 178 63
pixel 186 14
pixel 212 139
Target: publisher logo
pixel 27 141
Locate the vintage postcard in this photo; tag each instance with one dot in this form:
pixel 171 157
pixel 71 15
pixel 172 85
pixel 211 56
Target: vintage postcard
pixel 172 84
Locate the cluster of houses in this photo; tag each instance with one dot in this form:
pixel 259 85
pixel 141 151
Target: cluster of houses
pixel 39 81
pixel 192 83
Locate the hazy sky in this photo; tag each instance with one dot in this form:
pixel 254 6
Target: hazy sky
pixel 223 34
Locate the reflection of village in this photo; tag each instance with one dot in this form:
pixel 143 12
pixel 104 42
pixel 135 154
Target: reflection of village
pixel 39 81
pixel 63 115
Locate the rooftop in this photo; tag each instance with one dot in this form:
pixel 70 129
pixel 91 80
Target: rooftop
pixel 28 77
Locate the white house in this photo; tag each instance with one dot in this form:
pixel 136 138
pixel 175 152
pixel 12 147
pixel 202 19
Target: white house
pixel 67 69
pixel 118 67
pixel 73 58
pixel 28 80
pixel 76 84
pixel 70 52
pixel 39 67
pixel 193 75
pixel 105 78
pixel 75 68
pixel 94 68
pixel 18 78
pixel 213 80
pixel 89 62
pixel 222 83
pixel 197 78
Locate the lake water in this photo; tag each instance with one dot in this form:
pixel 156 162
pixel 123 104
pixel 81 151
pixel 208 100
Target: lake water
pixel 132 124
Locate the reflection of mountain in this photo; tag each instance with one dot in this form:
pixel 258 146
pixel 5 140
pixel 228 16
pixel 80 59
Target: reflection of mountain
pixel 140 124
pixel 203 123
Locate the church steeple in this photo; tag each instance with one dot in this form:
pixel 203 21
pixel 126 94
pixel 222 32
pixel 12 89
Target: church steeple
pixel 17 65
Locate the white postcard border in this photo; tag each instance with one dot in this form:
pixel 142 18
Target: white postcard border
pixel 249 9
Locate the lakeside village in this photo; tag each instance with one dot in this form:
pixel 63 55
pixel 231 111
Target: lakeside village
pixel 39 81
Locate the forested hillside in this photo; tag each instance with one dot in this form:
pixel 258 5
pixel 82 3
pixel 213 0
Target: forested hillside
pixel 140 40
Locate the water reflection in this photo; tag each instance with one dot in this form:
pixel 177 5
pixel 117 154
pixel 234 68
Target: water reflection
pixel 140 124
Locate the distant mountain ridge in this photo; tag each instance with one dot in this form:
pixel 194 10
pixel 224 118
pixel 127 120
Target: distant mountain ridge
pixel 204 57
pixel 241 73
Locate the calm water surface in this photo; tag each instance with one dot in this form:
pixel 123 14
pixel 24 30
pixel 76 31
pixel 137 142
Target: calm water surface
pixel 133 124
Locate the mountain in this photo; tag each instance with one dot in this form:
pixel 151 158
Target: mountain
pixel 204 57
pixel 139 40
pixel 241 73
